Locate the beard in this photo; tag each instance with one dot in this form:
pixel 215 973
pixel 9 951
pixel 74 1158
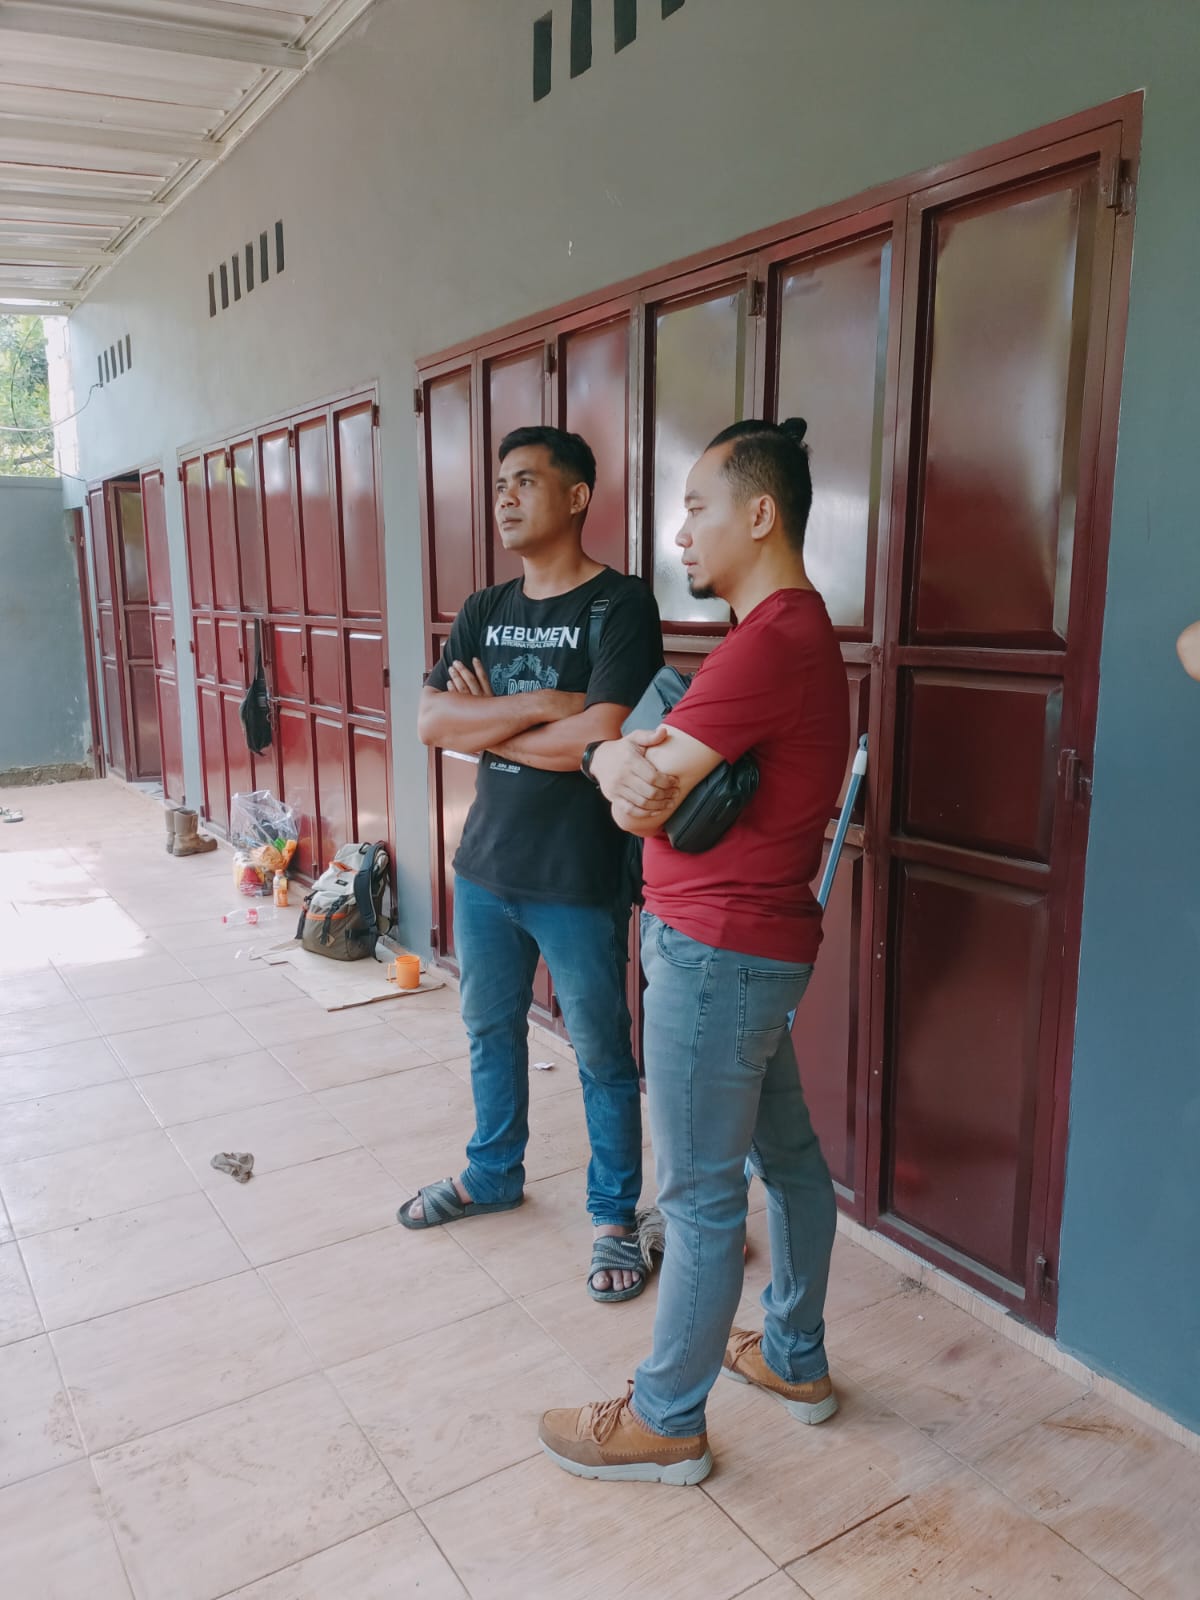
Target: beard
pixel 700 591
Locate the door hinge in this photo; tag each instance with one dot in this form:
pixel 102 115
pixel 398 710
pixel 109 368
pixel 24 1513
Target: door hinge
pixel 387 677
pixel 375 414
pixel 179 473
pixel 551 360
pixel 434 936
pixel 1044 1285
pixel 1074 783
pixel 418 401
pixel 1117 187
pixel 758 298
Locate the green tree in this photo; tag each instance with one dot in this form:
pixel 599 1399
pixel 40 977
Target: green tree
pixel 24 400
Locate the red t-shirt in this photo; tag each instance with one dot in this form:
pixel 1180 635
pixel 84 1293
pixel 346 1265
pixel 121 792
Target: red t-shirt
pixel 775 686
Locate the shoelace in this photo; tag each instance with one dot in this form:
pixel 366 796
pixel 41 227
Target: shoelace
pixel 606 1415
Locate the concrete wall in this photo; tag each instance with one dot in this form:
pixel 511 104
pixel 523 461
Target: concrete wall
pixel 44 718
pixel 427 199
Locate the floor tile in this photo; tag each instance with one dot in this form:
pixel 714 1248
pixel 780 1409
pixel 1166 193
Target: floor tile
pixel 303 1018
pixel 32 991
pixel 118 1261
pixel 216 1088
pixel 30 1128
pixel 536 1531
pixel 181 1044
pixel 979 1392
pixel 135 1371
pixel 149 1008
pixel 409 1399
pixel 1128 1499
pixel 58 1070
pixel 608 1341
pixel 19 1315
pixel 562 1078
pixel 792 1488
pixel 95 1181
pixel 440 1032
pixel 780 1587
pixel 222 1500
pixel 376 1053
pixel 150 969
pixel 894 1337
pixel 39 1030
pixel 282 1134
pixel 545 1241
pixel 364 1294
pixel 954 1539
pixel 410 1108
pixel 302 1208
pixel 57 1544
pixel 391 1562
pixel 37 1430
pixel 257 985
pixel 75 934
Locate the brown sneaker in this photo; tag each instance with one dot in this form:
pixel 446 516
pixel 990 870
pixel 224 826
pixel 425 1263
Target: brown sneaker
pixel 809 1402
pixel 606 1440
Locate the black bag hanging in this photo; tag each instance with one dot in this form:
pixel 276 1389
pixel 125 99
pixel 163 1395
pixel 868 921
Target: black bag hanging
pixel 255 709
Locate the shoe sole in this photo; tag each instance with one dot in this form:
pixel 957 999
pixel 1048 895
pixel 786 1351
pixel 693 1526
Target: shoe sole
pixel 802 1410
pixel 679 1473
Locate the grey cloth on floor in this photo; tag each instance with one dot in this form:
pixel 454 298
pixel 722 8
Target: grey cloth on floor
pixel 238 1164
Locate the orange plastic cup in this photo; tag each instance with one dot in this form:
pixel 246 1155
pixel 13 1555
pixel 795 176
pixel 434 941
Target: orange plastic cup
pixel 405 972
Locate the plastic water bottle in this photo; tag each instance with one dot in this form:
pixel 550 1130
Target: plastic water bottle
pixel 242 915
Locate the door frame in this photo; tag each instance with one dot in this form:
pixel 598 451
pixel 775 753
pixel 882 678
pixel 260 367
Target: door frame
pixel 90 633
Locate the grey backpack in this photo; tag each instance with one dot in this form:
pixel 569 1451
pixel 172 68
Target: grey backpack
pixel 344 911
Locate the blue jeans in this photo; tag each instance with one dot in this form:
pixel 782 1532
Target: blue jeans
pixel 721 1083
pixel 586 948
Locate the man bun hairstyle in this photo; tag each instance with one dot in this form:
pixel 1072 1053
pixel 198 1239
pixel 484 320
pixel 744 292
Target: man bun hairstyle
pixel 569 452
pixel 771 458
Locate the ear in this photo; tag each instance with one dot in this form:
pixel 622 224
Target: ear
pixel 581 498
pixel 763 516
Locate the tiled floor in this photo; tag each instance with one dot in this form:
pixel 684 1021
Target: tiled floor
pixel 272 1391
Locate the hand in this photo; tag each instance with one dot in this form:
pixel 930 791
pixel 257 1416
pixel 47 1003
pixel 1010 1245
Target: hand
pixel 629 778
pixel 471 680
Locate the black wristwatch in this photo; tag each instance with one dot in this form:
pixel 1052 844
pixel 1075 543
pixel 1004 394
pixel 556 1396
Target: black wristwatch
pixel 585 763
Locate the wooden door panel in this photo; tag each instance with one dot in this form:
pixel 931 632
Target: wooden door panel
pixel 456 782
pixel 970 958
pixel 223 530
pixel 279 520
pixel 981 761
pixel 450 511
pixel 298 782
pixel 595 387
pixel 318 522
pixel 157 560
pixel 361 546
pixel 514 397
pixel 251 550
pixel 114 718
pixel 329 745
pixel 206 648
pixel 826 1032
pixel 195 516
pixel 367 690
pixel 101 556
pixel 170 736
pixel 371 775
pixel 131 544
pixel 290 660
pixel 239 774
pixel 1007 351
pixel 164 642
pixel 230 662
pixel 212 757
pixel 138 634
pixel 832 348
pixel 325 666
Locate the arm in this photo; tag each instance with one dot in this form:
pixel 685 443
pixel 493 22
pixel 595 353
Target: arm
pixel 559 746
pixel 632 780
pixel 474 723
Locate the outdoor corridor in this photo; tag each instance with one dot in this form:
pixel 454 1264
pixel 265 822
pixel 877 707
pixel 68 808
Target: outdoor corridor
pixel 272 1391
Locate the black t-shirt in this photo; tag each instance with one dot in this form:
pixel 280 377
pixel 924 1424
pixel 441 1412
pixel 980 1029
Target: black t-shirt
pixel 549 835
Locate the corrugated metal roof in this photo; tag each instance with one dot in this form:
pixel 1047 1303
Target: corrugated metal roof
pixel 110 112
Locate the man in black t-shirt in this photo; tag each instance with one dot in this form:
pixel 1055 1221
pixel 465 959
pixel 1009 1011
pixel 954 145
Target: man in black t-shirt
pixel 535 671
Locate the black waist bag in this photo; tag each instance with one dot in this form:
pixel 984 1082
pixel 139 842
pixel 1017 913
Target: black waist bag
pixel 717 801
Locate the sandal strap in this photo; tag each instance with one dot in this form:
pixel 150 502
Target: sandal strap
pixel 611 1253
pixel 441 1203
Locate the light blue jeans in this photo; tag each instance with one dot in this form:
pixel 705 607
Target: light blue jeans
pixel 721 1084
pixel 586 948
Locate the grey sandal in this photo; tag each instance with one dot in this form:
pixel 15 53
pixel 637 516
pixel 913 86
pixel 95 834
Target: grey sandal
pixel 634 1253
pixel 441 1204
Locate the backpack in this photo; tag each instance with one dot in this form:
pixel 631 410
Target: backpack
pixel 343 913
pixel 255 709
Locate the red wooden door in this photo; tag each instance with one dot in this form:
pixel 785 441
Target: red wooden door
pixel 990 670
pixel 132 574
pixel 162 626
pixel 108 632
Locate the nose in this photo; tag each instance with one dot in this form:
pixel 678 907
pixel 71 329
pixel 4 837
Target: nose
pixel 683 538
pixel 505 496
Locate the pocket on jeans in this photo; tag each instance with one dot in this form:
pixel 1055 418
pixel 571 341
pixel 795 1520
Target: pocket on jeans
pixel 678 950
pixel 764 1001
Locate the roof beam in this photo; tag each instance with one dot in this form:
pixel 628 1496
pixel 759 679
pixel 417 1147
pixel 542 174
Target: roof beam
pixel 38 291
pixel 53 255
pixel 102 136
pixel 54 203
pixel 121 28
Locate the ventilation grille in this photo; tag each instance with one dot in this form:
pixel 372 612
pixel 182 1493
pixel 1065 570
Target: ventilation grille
pixel 114 362
pixel 254 265
pixel 625 27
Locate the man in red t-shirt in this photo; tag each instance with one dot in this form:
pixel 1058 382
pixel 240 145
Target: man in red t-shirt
pixel 728 943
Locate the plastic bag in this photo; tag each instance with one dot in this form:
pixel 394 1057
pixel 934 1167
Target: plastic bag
pixel 259 822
